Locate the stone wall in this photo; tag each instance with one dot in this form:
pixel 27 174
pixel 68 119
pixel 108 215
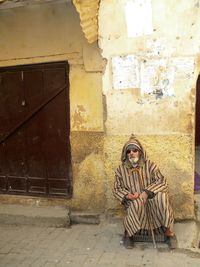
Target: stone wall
pixel 159 58
pixel 151 58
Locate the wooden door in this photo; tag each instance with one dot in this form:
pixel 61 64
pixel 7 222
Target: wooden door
pixel 34 130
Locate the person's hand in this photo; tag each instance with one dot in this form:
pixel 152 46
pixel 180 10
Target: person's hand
pixel 133 196
pixel 144 196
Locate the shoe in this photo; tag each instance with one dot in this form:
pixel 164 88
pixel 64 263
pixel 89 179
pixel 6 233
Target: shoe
pixel 128 242
pixel 172 242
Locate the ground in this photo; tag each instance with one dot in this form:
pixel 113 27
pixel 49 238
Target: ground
pixel 83 246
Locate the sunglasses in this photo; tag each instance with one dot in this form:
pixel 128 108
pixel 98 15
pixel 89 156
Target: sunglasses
pixel 133 150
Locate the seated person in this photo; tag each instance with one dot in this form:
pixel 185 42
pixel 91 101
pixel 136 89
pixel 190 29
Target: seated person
pixel 138 184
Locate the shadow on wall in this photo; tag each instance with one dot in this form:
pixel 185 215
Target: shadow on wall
pixel 197 140
pixel 197 182
pixel 197 127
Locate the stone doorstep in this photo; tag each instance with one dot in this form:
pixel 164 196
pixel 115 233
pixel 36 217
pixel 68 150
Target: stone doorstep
pixel 77 217
pixel 187 234
pixel 46 216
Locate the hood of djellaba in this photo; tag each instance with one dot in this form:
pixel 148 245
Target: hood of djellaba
pixel 133 142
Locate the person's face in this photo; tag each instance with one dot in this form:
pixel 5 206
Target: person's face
pixel 133 153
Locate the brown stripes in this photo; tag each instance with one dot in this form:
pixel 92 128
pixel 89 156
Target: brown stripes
pixel 136 180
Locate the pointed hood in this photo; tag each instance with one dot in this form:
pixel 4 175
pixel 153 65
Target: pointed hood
pixel 132 142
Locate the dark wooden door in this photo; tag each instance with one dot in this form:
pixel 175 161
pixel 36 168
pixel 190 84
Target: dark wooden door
pixel 34 130
pixel 197 129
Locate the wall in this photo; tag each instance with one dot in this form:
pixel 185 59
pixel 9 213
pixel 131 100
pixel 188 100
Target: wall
pixel 158 107
pixel 51 32
pixel 158 103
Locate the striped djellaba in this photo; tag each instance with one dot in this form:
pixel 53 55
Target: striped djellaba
pixel 146 176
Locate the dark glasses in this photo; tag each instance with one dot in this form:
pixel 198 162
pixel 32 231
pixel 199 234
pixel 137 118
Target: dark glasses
pixel 133 150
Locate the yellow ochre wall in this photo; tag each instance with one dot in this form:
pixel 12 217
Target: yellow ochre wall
pixel 102 118
pixel 164 125
pixel 48 33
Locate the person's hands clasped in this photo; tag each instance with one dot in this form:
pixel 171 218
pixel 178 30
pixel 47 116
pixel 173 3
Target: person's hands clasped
pixel 133 196
pixel 143 196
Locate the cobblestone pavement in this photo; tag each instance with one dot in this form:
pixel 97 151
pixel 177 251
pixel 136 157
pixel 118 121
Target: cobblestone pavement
pixel 83 246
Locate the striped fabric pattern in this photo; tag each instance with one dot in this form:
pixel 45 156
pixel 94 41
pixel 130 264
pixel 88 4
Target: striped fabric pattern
pixel 145 176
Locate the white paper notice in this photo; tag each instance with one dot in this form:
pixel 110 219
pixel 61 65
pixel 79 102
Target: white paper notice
pixel 148 78
pixel 125 72
pixel 138 15
pixel 157 77
pixel 184 67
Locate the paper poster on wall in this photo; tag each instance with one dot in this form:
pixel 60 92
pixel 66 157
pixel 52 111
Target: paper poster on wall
pixel 159 47
pixel 125 72
pixel 138 14
pixel 184 67
pixel 149 77
pixel 157 77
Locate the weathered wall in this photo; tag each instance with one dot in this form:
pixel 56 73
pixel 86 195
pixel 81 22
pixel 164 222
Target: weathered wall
pixel 88 11
pixel 159 108
pixel 162 119
pixel 52 32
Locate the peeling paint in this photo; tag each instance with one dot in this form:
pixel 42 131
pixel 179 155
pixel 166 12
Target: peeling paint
pixel 135 12
pixel 79 118
pixel 86 100
pixel 165 112
pixel 157 77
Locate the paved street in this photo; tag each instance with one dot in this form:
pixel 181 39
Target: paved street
pixel 84 246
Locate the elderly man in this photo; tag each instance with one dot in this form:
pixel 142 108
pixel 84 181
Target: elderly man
pixel 138 184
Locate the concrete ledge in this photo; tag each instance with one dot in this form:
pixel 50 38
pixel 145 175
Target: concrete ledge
pixel 84 217
pixel 187 234
pixel 33 215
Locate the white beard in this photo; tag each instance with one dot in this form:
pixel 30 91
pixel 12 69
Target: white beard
pixel 134 160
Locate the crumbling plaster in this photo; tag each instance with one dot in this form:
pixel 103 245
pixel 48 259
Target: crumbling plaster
pixel 88 11
pixel 164 124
